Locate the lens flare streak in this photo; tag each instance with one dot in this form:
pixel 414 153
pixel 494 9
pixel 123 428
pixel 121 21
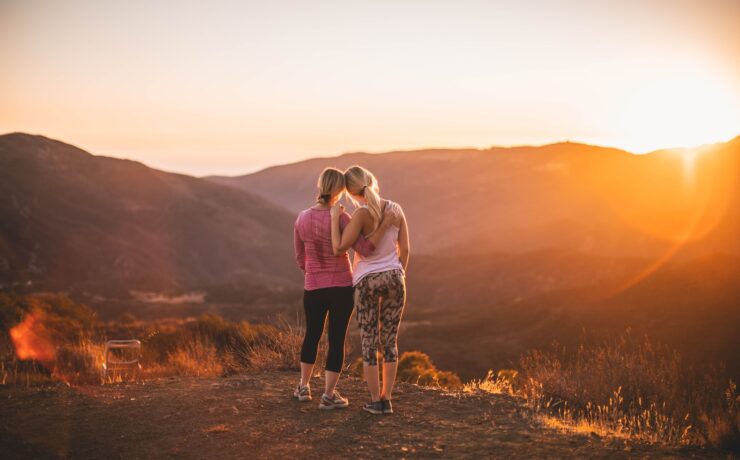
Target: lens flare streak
pixel 32 340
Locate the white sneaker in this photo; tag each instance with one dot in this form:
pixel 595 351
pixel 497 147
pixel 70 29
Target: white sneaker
pixel 303 393
pixel 334 402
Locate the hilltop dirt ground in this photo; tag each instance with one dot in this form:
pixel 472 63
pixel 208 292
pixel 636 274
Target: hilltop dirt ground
pixel 254 416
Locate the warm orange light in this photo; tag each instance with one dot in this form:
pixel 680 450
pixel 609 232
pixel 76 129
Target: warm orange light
pixel 690 198
pixel 688 158
pixel 32 340
pixel 678 108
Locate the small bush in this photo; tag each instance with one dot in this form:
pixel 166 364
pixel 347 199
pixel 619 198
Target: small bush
pixel 416 367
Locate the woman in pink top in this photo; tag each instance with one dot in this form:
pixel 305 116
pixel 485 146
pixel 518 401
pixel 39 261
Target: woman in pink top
pixel 328 286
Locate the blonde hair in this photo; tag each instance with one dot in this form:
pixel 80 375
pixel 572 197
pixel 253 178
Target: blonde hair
pixel 330 184
pixel 361 182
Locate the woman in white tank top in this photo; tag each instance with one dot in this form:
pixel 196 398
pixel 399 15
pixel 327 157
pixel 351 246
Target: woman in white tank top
pixel 385 257
pixel 379 280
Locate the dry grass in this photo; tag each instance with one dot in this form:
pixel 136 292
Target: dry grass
pixel 198 358
pixel 501 382
pixel 206 346
pixel 627 387
pixel 211 346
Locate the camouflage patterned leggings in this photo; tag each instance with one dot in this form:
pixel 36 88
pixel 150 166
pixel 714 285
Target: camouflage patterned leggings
pixel 380 295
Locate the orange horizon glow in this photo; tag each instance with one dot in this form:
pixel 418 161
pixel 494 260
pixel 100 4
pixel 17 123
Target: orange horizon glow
pixel 693 197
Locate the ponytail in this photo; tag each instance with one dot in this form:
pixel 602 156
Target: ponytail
pixel 373 203
pixel 361 182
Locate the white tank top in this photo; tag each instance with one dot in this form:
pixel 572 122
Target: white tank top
pixel 385 257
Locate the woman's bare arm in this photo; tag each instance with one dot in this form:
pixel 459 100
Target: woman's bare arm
pixel 365 246
pixel 341 241
pixel 404 245
pixel 344 238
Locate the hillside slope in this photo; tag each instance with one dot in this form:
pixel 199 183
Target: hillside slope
pixel 484 312
pixel 572 196
pixel 74 221
pixel 254 416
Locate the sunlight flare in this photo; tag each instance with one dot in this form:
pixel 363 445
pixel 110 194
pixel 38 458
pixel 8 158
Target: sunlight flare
pixel 32 339
pixel 685 108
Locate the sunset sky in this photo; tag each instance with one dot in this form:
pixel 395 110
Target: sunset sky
pixel 231 87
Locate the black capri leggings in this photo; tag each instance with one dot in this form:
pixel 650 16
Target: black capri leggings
pixel 338 303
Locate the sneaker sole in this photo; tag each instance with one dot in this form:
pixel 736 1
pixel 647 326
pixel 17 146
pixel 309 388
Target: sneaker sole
pixel 333 406
pixel 304 398
pixel 373 411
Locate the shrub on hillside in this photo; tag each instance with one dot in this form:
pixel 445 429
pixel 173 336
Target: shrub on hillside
pixel 416 367
pixel 67 320
pixel 55 331
pixel 12 308
pixel 236 346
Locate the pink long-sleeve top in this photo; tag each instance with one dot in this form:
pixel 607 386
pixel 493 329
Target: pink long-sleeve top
pixel 314 253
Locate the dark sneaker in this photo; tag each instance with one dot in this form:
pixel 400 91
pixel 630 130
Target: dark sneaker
pixel 335 402
pixel 303 393
pixel 387 406
pixel 375 407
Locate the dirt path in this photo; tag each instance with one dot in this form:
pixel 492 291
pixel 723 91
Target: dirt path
pixel 253 416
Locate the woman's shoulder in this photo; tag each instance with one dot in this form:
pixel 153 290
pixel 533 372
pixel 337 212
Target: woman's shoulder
pixel 302 214
pixel 361 211
pixel 313 209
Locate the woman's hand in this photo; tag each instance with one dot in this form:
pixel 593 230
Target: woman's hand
pixel 337 210
pixel 391 216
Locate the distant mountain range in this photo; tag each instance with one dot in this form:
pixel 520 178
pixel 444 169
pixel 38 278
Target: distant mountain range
pixel 511 247
pixel 72 220
pixel 572 196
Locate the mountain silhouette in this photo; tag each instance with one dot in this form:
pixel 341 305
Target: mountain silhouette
pixel 573 196
pixel 72 220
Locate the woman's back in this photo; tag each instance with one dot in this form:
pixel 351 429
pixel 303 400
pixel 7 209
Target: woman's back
pixel 315 256
pixel 385 256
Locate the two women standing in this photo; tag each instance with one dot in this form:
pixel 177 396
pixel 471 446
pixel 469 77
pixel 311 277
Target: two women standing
pixel 375 285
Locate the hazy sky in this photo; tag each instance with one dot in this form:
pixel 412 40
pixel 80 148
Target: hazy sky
pixel 230 87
